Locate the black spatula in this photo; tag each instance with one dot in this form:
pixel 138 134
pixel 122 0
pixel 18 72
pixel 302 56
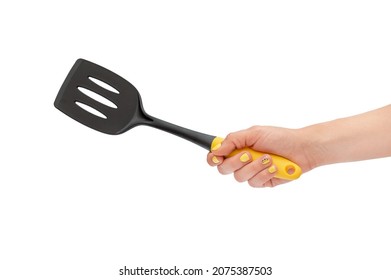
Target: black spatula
pixel 115 106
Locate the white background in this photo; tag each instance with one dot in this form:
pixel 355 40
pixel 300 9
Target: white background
pixel 78 204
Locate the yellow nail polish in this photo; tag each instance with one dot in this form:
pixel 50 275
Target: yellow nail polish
pixel 216 147
pixel 215 160
pixel 244 157
pixel 272 169
pixel 265 161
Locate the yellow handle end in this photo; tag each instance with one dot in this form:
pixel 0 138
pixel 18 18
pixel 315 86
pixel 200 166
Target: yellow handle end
pixel 286 169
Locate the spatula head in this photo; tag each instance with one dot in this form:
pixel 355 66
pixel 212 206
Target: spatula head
pixel 124 110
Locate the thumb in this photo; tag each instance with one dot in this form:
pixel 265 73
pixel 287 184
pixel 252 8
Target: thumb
pixel 233 141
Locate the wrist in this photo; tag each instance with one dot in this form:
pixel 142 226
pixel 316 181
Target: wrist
pixel 315 144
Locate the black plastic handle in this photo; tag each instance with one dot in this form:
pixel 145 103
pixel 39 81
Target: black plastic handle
pixel 201 139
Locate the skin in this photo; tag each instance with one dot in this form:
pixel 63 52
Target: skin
pixel 355 138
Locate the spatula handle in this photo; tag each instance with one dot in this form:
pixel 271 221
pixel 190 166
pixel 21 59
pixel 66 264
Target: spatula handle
pixel 286 169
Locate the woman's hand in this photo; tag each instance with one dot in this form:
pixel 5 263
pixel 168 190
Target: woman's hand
pixel 287 143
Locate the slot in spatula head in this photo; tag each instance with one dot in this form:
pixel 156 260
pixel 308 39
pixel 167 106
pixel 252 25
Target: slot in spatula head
pixel 125 112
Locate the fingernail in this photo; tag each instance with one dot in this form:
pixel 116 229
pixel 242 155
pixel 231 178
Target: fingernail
pixel 215 160
pixel 272 169
pixel 216 147
pixel 244 157
pixel 265 160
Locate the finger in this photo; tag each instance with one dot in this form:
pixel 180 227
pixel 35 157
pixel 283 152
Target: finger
pixel 214 160
pixel 250 170
pixel 263 177
pixel 230 165
pixel 275 182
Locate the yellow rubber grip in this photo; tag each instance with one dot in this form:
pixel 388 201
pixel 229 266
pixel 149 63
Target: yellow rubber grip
pixel 286 169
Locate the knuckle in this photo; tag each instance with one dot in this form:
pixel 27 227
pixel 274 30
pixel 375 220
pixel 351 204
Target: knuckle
pixel 253 127
pixel 269 183
pixel 230 136
pixel 252 184
pixel 222 170
pixel 239 177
